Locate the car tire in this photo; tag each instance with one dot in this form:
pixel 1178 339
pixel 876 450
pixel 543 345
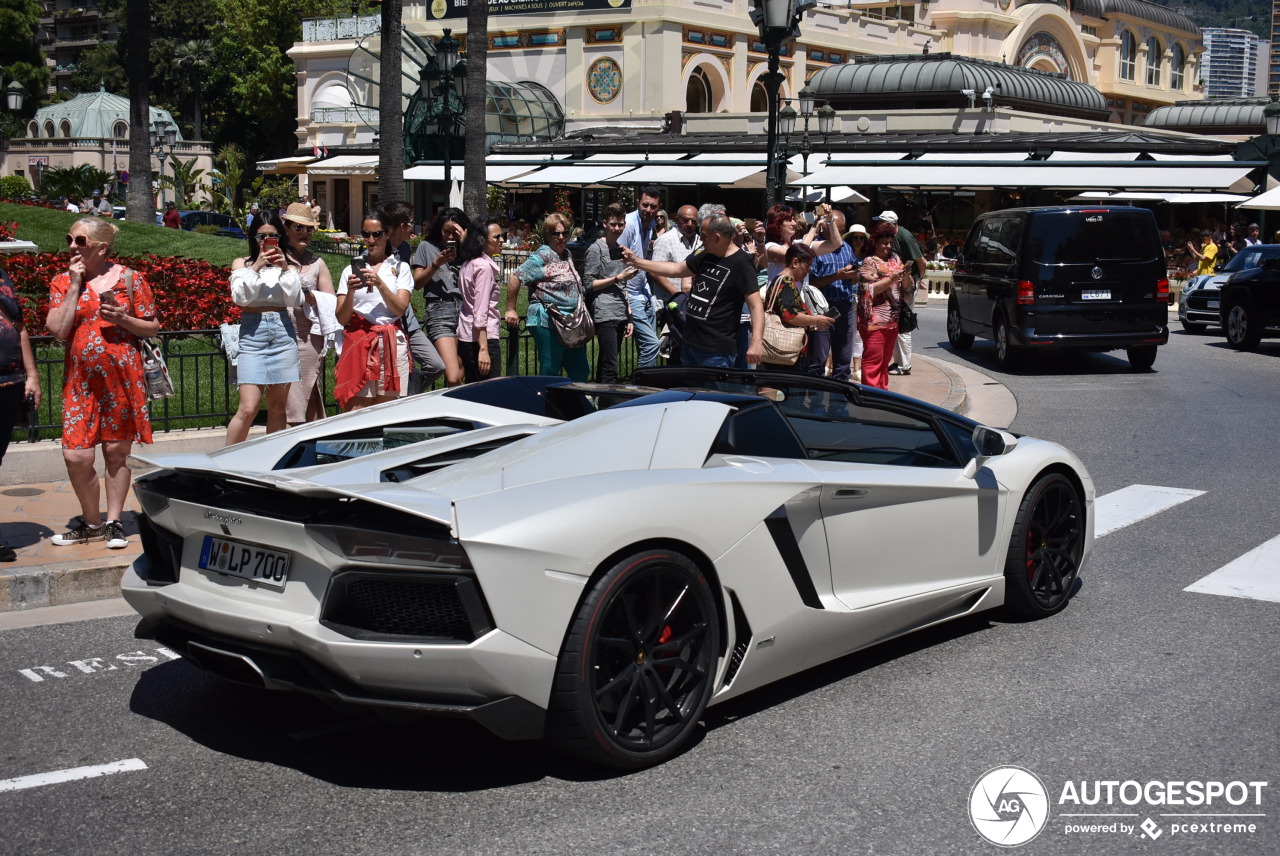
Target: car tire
pixel 638 664
pixel 1242 330
pixel 1006 351
pixel 1043 563
pixel 1141 357
pixel 959 339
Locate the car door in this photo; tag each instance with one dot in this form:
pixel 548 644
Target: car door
pixel 900 517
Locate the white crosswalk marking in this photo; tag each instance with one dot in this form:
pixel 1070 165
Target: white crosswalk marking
pixel 1254 575
pixel 74 774
pixel 1127 506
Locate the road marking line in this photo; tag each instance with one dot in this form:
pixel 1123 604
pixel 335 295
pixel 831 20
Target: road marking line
pixel 1127 506
pixel 1254 575
pixel 74 774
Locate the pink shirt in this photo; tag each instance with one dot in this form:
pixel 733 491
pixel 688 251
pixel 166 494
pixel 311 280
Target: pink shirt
pixel 478 282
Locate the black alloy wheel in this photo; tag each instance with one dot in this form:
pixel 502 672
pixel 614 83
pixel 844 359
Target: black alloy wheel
pixel 1045 549
pixel 1006 352
pixel 959 339
pixel 1242 329
pixel 638 665
pixel 1141 357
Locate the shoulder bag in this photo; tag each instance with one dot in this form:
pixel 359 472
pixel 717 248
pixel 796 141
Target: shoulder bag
pixel 782 344
pixel 154 369
pixel 574 328
pixel 907 318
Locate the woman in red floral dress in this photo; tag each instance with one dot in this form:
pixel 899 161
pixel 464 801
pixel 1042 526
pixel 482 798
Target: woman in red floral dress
pixel 104 392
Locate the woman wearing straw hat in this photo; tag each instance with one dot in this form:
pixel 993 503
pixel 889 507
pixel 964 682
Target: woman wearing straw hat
pixel 305 402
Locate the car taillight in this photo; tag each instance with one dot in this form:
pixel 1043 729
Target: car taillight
pixel 1026 293
pixel 1162 291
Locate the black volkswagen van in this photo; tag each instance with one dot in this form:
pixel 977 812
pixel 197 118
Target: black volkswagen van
pixel 1091 277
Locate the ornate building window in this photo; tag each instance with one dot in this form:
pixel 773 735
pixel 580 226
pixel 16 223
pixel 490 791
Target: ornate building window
pixel 697 95
pixel 1177 68
pixel 1155 61
pixel 759 98
pixel 120 130
pixel 65 127
pixel 1128 56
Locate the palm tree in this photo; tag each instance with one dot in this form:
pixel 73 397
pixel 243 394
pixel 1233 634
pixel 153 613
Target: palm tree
pixel 195 56
pixel 475 197
pixel 390 107
pixel 139 203
pixel 186 180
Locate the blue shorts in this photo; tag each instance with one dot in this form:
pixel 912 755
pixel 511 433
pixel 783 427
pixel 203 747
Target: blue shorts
pixel 268 349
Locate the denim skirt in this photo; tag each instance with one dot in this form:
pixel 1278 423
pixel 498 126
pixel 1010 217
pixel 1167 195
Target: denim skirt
pixel 268 349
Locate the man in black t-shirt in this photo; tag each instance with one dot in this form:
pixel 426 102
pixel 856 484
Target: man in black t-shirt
pixel 723 278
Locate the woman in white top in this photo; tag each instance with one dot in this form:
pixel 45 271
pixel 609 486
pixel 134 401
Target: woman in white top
pixel 266 288
pixel 373 293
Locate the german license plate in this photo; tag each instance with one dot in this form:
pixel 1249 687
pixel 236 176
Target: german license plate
pixel 1095 294
pixel 1214 304
pixel 247 561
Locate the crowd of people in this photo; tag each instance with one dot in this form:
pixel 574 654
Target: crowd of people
pixel 694 289
pixel 1206 250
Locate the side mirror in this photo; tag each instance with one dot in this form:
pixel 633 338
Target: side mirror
pixel 990 443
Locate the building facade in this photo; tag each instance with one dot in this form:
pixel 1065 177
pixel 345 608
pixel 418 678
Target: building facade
pixel 67 29
pixel 1230 65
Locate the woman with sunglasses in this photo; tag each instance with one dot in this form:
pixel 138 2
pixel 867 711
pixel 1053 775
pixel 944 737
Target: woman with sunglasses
pixel 267 290
pixel 781 230
pixel 373 294
pixel 305 402
pixel 552 279
pixel 435 271
pixel 479 320
pixel 101 310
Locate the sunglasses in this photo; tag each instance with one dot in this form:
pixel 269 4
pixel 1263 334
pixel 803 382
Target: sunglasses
pixel 377 234
pixel 298 227
pixel 557 234
pixel 79 241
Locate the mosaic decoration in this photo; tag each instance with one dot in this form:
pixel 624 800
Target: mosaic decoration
pixel 604 80
pixel 708 38
pixel 1043 46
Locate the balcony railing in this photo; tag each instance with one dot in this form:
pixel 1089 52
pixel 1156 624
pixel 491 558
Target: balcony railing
pixel 344 115
pixel 336 29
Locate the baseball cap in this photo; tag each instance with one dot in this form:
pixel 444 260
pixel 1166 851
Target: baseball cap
pixel 888 217
pixel 97 193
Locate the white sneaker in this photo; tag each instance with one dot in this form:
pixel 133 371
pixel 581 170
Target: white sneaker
pixel 81 534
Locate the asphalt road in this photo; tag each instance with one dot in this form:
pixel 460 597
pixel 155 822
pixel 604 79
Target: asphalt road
pixel 1138 680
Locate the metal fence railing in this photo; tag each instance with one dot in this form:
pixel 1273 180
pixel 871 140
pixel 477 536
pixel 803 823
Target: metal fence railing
pixel 205 389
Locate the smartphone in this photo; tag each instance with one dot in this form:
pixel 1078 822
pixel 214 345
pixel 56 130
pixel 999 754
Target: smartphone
pixel 451 245
pixel 357 267
pixel 108 297
pixel 615 253
pixel 751 224
pixel 832 312
pixel 270 243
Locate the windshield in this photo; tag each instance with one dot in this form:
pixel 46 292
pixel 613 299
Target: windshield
pixel 1252 257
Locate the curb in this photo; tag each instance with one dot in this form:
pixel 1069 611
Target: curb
pixel 61 584
pixel 957 400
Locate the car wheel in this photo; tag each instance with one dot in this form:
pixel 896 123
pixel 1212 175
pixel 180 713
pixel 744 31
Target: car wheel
pixel 1045 549
pixel 1242 333
pixel 1141 357
pixel 638 663
pixel 1192 327
pixel 959 339
pixel 1006 353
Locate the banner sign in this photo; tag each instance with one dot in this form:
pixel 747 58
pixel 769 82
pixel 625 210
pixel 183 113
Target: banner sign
pixel 458 8
pixel 37 160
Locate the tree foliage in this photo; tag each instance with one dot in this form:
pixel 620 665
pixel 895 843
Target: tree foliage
pixel 100 66
pixel 22 59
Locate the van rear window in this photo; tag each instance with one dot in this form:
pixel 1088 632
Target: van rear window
pixel 1088 237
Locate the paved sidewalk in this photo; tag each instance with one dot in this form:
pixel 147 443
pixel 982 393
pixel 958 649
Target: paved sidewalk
pixel 45 575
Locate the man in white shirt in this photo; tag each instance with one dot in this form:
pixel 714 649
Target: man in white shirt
pixel 676 245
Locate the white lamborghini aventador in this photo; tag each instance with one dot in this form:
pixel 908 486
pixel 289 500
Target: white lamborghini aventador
pixel 596 564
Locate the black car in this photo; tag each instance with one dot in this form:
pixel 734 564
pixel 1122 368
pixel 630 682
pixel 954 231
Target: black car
pixel 1201 299
pixel 1088 278
pixel 1251 306
pixel 227 225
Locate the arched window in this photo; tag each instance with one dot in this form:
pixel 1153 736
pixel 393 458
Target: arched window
pixel 759 98
pixel 65 128
pixel 1128 56
pixel 33 129
pixel 1177 68
pixel 1155 61
pixel 120 130
pixel 697 95
pixel 48 128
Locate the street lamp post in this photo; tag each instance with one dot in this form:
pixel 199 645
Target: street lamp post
pixel 15 95
pixel 442 76
pixel 164 137
pixel 778 22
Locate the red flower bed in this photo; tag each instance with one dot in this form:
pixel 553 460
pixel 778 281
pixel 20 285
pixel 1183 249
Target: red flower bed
pixel 191 294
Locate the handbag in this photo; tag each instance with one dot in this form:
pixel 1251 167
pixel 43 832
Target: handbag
pixel 782 345
pixel 815 299
pixel 907 318
pixel 154 368
pixel 574 329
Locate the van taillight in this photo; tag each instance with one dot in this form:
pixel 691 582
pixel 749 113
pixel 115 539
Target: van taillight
pixel 1026 293
pixel 1162 291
